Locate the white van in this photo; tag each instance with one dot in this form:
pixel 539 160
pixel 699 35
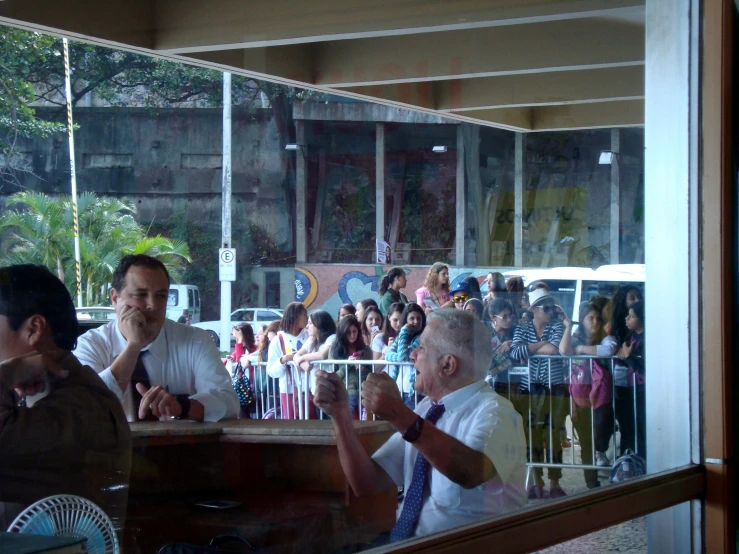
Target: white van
pixel 571 285
pixel 183 297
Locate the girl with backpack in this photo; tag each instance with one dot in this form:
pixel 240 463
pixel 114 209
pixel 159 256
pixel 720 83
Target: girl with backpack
pixel 282 349
pixel 591 387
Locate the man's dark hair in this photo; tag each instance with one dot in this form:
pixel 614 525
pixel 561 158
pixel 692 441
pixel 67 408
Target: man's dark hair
pixel 28 290
pixel 138 260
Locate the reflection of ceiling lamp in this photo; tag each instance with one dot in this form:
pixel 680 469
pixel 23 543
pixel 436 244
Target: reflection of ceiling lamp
pixel 439 149
pixel 293 146
pixel 607 157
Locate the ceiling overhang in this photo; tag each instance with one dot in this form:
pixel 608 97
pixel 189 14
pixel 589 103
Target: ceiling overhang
pixel 524 65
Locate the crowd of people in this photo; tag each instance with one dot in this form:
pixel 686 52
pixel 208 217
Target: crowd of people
pixel 444 371
pixel 535 353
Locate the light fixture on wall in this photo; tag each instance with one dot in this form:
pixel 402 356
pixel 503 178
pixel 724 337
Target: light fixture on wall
pixel 293 146
pixel 439 149
pixel 607 157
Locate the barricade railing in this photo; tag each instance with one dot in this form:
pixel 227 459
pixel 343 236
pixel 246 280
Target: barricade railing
pixel 267 401
pixel 269 404
pixel 525 389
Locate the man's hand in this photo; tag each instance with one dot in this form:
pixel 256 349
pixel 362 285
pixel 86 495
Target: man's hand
pixel 331 395
pixel 380 395
pixel 158 401
pixel 27 374
pixel 132 324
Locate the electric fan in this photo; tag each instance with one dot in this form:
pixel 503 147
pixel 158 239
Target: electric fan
pixel 65 515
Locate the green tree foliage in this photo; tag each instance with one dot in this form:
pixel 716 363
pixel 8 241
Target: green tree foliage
pixel 40 231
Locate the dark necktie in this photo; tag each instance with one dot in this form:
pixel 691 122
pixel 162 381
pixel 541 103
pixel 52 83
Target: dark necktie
pixel 414 495
pixel 140 375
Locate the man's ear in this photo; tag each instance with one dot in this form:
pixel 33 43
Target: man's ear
pixel 114 296
pixel 449 365
pixel 34 329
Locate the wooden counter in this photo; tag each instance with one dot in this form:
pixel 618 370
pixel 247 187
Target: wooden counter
pixel 286 474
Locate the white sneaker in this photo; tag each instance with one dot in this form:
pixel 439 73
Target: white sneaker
pixel 601 459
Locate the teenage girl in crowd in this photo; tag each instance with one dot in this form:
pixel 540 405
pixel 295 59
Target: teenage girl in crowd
pixel 587 341
pixel 544 385
pixel 412 324
pixel 263 383
pixel 371 325
pixel 346 309
pixel 321 335
pixel 244 335
pixel 362 305
pixel 435 290
pixel 390 329
pixel 632 353
pixel 516 295
pixel 282 349
pixel 349 345
pixel 390 287
pixel 496 285
pixel 622 300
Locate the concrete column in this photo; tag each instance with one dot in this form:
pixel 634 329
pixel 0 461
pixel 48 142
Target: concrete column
pixel 520 147
pixel 301 183
pixel 380 182
pixel 461 202
pixel 615 196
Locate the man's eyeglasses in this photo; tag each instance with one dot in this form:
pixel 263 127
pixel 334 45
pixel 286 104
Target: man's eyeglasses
pixel 460 298
pixel 549 308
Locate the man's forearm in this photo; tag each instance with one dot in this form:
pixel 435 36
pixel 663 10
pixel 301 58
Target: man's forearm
pixel 364 475
pixel 123 366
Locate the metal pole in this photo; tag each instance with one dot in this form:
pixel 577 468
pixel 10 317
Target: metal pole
pixel 75 214
pixel 225 334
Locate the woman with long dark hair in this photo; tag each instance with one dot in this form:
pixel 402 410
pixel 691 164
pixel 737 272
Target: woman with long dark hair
pixel 389 289
pixel 371 324
pixel 282 349
pixel 321 335
pixel 412 324
pixel 349 345
pixel 435 290
pixel 244 335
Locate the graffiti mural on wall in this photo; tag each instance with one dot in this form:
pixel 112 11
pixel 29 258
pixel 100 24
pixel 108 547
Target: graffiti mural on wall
pixel 327 287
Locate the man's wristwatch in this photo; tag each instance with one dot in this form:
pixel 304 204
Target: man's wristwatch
pixel 414 431
pixel 184 401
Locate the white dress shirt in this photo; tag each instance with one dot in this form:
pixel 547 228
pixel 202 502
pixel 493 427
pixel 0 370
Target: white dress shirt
pixel 481 419
pixel 183 359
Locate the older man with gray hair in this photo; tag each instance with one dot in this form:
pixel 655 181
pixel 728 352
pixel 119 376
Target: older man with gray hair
pixel 460 456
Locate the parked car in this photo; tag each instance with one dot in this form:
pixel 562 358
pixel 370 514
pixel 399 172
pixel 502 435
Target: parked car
pixel 571 285
pixel 254 316
pixel 96 313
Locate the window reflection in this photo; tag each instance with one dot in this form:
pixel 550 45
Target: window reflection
pixel 537 253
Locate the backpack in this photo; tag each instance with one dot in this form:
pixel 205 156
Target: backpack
pixel 590 387
pixel 242 385
pixel 627 467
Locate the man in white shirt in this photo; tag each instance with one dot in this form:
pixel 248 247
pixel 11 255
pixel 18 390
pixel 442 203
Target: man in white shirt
pixel 464 460
pixel 156 367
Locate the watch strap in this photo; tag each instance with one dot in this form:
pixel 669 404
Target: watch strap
pixel 184 401
pixel 414 431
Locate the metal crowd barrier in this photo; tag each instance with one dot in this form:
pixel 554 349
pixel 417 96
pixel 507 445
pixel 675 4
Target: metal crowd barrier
pixel 554 437
pixel 267 401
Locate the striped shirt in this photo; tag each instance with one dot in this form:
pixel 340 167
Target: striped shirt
pixel 524 335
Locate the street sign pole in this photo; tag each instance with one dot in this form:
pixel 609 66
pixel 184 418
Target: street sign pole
pixel 226 217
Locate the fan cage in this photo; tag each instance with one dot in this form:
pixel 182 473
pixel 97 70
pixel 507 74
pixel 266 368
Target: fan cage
pixel 69 516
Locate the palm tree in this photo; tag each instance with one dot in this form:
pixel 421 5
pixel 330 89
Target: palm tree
pixel 40 231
